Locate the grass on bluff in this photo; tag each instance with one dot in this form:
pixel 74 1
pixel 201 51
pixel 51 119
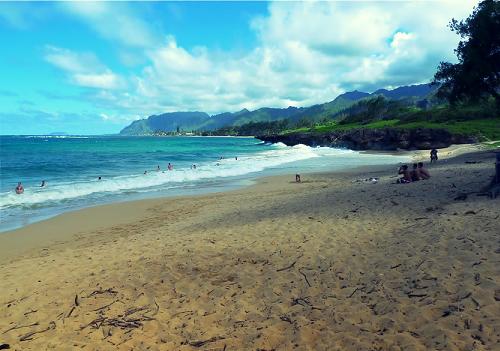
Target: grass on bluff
pixel 481 120
pixel 485 129
pixel 492 145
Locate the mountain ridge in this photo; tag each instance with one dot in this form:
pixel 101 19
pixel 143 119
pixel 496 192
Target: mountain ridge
pixel 201 121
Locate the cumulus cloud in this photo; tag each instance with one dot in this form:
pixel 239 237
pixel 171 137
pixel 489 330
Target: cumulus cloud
pixel 307 53
pixel 83 69
pixel 118 118
pixel 114 21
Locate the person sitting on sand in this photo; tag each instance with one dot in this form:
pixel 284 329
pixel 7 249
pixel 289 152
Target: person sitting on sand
pixel 170 167
pixel 434 155
pixel 415 173
pixel 424 173
pixel 406 174
pixel 297 178
pixel 19 188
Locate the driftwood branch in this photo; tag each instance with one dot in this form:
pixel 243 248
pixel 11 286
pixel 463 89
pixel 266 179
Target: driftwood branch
pixel 305 277
pixel 100 291
pixel 352 294
pixel 203 342
pixel 20 326
pixel 29 336
pixel 290 266
pixel 103 307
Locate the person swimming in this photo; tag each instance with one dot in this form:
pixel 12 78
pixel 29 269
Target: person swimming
pixel 193 166
pixel 99 178
pixel 43 184
pixel 158 168
pixel 19 188
pixel 170 167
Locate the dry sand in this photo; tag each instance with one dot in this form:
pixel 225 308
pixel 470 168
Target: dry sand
pixel 328 264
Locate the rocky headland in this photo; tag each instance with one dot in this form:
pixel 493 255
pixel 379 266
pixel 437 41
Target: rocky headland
pixel 375 139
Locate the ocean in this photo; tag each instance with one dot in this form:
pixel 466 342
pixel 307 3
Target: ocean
pixel 128 167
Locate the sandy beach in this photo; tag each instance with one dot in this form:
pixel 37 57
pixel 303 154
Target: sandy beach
pixel 332 263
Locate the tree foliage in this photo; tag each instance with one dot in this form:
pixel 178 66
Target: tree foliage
pixel 253 128
pixel 476 76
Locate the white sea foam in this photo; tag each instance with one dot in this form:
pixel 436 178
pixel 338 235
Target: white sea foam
pixel 64 191
pixel 279 155
pixel 56 137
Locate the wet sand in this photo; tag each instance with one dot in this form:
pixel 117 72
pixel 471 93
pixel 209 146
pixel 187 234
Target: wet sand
pixel 332 263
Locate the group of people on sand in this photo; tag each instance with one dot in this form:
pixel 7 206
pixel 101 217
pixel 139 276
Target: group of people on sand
pixel 417 173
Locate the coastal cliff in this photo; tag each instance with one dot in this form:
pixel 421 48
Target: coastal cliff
pixel 375 139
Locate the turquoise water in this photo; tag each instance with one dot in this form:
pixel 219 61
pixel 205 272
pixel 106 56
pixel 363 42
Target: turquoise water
pixel 70 167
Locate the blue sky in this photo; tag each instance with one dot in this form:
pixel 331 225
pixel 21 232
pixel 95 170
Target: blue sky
pixel 93 67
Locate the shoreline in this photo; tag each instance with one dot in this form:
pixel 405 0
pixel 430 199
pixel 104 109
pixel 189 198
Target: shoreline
pixel 201 186
pixel 134 209
pixel 124 212
pixel 444 153
pixel 415 155
pixel 334 262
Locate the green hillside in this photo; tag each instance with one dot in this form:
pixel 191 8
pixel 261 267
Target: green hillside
pixel 481 120
pixel 301 116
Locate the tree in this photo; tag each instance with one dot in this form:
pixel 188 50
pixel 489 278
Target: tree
pixel 477 74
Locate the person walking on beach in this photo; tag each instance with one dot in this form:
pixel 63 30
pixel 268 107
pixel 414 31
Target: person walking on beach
pixel 19 188
pixel 434 155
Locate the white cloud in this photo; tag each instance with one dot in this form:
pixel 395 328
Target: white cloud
pixel 113 20
pixel 71 61
pixel 106 80
pixel 117 119
pixel 307 53
pixel 83 69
